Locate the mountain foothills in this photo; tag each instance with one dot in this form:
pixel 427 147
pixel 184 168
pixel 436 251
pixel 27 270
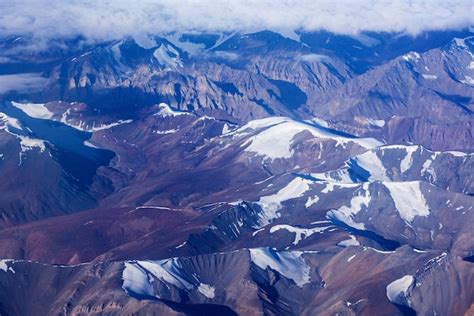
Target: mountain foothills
pixel 231 173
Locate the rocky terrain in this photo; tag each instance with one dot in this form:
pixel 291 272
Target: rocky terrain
pixel 239 174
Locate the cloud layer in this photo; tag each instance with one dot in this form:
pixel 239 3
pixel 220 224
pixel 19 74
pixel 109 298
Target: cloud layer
pixel 21 82
pixel 99 20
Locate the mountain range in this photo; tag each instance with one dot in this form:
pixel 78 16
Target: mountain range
pixel 231 173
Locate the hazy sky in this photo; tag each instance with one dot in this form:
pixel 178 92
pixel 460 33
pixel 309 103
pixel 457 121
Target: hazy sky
pixel 98 20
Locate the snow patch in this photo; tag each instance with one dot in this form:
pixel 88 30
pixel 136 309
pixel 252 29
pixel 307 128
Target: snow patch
pixel 35 110
pixel 167 56
pixel 107 126
pixel 468 80
pixel 408 199
pixel 138 276
pixel 289 264
pixel 300 233
pixel 378 123
pixel 82 125
pixel 89 144
pixel 271 204
pixel 340 177
pixel 428 168
pixel 9 122
pixel 207 290
pixel 320 122
pixel 226 128
pixel 276 138
pixel 349 242
pixel 429 77
pixel 26 143
pixel 370 162
pixel 346 214
pixel 411 56
pixel 189 47
pixel 313 58
pixel 384 252
pixel 165 132
pixel 397 290
pixel 181 245
pixel 418 250
pixel 407 162
pixel 5 265
pixel 166 111
pixel 311 201
pixel 135 280
pixel 460 42
pixel 456 153
pixel 329 187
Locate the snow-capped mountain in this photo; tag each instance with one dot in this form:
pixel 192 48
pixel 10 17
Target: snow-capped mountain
pixel 239 173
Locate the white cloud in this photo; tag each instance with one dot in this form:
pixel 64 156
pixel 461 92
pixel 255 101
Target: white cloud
pixel 311 58
pixel 5 60
pixel 226 55
pixel 21 82
pixel 99 20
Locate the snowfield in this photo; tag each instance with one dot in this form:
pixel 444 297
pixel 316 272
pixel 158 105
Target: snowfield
pixel 271 204
pixel 274 136
pixel 408 198
pixel 35 110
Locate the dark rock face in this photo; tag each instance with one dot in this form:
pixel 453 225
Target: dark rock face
pixel 251 175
